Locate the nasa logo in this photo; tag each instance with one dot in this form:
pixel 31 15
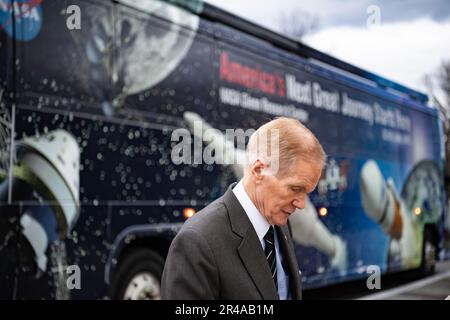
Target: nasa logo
pixel 334 177
pixel 28 18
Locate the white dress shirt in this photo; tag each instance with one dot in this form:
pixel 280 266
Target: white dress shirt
pixel 261 226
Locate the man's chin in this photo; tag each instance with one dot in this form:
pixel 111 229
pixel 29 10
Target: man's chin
pixel 282 220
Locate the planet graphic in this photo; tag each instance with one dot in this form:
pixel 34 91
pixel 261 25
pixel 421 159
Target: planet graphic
pixel 148 42
pixel 423 192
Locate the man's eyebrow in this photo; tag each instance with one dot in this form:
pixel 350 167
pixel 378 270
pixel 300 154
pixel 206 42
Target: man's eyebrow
pixel 302 186
pixel 297 185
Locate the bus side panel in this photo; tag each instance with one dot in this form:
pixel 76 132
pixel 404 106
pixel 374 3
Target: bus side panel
pixel 172 76
pixel 64 78
pixel 116 89
pixel 367 139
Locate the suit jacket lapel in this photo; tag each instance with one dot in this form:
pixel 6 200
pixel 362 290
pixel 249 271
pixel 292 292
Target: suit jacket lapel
pixel 295 284
pixel 250 250
pixel 256 264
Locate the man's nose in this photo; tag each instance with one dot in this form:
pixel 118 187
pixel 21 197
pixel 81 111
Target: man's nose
pixel 299 203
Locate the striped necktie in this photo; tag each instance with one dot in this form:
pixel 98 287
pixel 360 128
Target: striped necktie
pixel 270 253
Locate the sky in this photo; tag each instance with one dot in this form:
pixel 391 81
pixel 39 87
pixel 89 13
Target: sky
pixel 401 40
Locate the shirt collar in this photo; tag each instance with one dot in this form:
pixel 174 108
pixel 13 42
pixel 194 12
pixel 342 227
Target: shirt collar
pixel 258 221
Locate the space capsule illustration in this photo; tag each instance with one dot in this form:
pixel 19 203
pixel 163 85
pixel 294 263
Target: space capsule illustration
pixel 45 181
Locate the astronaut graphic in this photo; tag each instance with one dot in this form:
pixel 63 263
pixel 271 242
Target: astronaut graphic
pixel 146 52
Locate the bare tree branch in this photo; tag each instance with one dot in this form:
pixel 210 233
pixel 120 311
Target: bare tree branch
pixel 297 23
pixel 441 80
pixel 444 80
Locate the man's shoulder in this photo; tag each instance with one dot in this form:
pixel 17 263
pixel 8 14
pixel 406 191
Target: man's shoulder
pixel 209 220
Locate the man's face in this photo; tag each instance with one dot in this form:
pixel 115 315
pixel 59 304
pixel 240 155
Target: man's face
pixel 278 196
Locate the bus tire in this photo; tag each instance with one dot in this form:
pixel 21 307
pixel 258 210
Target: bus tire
pixel 428 253
pixel 138 276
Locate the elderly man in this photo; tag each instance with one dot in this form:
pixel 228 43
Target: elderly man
pixel 239 246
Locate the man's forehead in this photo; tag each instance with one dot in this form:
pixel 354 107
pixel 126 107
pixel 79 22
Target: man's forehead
pixel 303 166
pixel 305 171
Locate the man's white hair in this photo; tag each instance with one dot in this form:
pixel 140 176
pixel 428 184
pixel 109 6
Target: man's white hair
pixel 280 142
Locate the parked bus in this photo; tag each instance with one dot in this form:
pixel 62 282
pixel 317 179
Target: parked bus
pixel 91 93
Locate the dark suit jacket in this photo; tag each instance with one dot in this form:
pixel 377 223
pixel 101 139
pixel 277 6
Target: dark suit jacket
pixel 217 255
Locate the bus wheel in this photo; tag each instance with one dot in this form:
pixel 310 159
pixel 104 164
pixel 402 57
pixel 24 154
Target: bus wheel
pixel 428 254
pixel 139 276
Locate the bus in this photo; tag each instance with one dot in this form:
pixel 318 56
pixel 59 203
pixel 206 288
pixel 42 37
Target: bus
pixel 91 96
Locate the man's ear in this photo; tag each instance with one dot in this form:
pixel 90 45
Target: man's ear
pixel 257 170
